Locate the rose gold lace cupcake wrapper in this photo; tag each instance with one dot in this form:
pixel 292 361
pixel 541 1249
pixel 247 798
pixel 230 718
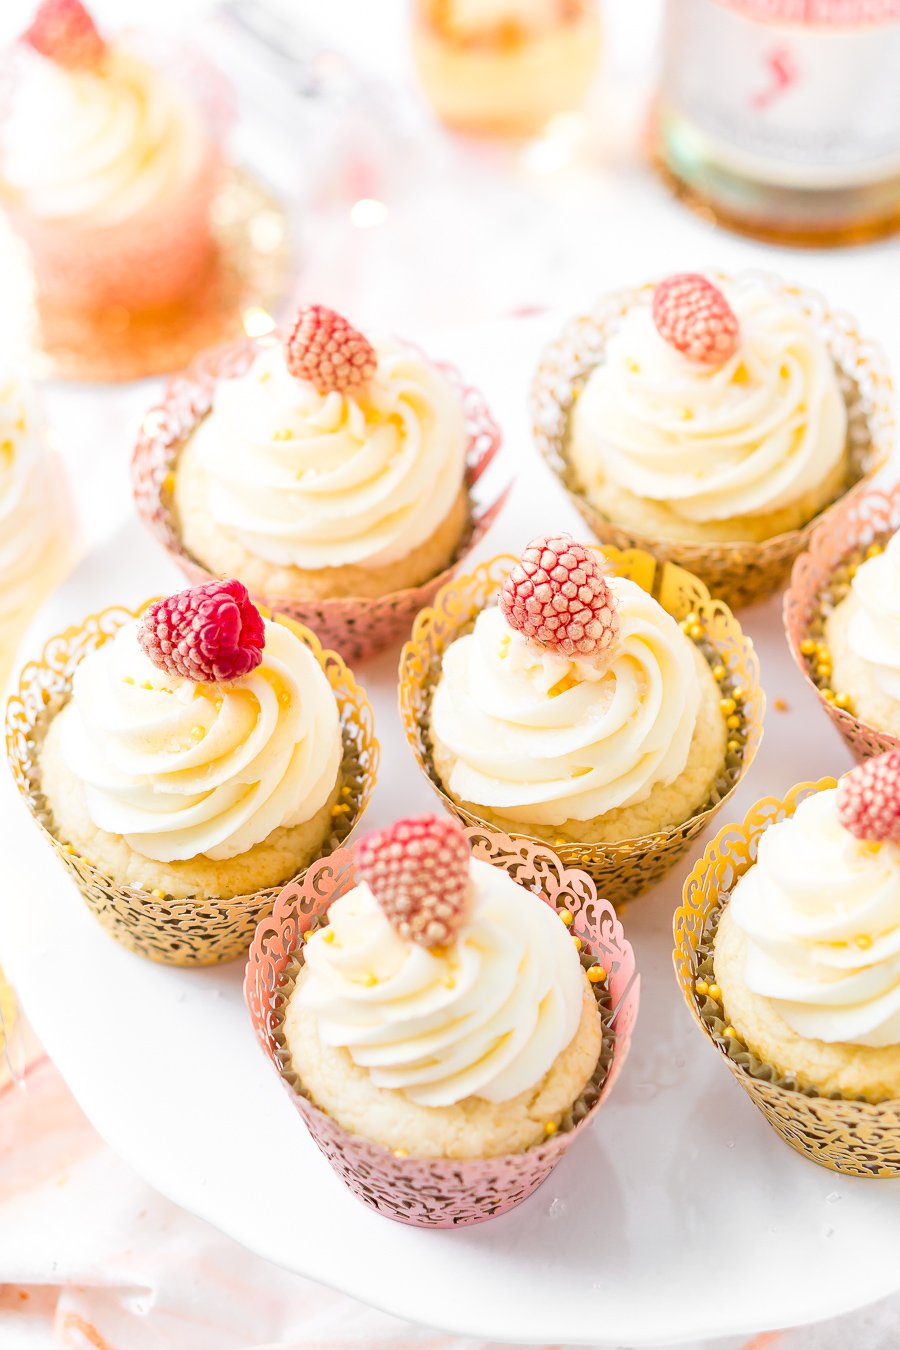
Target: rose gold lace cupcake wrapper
pixel 820 580
pixel 622 870
pixel 739 573
pixel 175 932
pixel 438 1192
pixel 357 627
pixel 856 1137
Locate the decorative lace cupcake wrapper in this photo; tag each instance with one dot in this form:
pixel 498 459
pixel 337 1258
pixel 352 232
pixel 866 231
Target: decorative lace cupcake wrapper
pixel 438 1192
pixel 358 627
pixel 176 932
pixel 859 1138
pixel 819 582
pixel 739 573
pixel 622 870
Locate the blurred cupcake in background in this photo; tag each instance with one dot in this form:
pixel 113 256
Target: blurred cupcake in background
pixel 712 421
pixel 37 525
pixel 330 472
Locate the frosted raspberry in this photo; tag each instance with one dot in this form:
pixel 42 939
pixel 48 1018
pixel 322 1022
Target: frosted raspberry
pixel 693 316
pixel 418 871
pixel 63 31
pixel 868 799
pixel 211 632
pixel 559 598
pixel 328 351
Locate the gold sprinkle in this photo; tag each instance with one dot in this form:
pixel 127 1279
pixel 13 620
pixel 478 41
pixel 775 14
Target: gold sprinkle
pixel 780 705
pixel 701 987
pixel 738 692
pixel 158 894
pixel 714 992
pixel 577 940
pixel 148 684
pixel 370 981
pixel 873 550
pixel 218 704
pixel 346 791
pixel 733 746
pixel 843 701
pixel 70 850
pixel 596 974
pixel 128 679
pixel 828 695
pixel 730 1033
pixel 328 935
pixel 562 686
pixel 340 809
pixel 168 483
pixel 558 843
pixel 400 1153
pixel 449 982
pixel 807 646
pixel 265 377
pixel 719 673
pixel 550 1127
pixel 283 434
pixel 727 705
pixel 733 723
pixel 565 915
pixel 308 934
pixel 863 942
pixel 198 733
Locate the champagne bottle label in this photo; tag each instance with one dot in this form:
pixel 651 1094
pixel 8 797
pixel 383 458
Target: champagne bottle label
pixel 796 93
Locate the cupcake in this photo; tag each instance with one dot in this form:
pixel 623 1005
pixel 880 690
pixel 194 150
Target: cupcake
pixel 189 761
pixel 331 473
pixel 796 974
pixel 842 619
pixel 444 1035
pixel 36 530
pixel 574 708
pixel 108 168
pixel 717 421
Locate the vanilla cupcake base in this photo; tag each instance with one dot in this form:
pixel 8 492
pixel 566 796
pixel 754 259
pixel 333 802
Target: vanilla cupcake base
pixel 472 1128
pixel 850 674
pixel 222 551
pixel 275 860
pixel 850 1070
pixel 668 804
pixel 656 520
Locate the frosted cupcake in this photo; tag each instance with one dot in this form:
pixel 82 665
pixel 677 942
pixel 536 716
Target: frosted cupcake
pixel 862 636
pixel 186 762
pixel 443 1010
pixel 807 951
pixel 108 168
pixel 36 529
pixel 712 423
pixel 577 709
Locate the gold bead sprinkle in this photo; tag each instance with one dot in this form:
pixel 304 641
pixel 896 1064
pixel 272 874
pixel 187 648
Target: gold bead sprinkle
pixel 733 723
pixel 550 1127
pixel 158 894
pixel 597 974
pixel 730 1033
pixel 863 942
pixel 843 701
pixel 733 746
pixel 577 940
pixel 714 992
pixel 808 646
pixel 701 987
pixel 727 705
pixel 400 1153
pixel 565 915
pixel 780 705
pixel 719 673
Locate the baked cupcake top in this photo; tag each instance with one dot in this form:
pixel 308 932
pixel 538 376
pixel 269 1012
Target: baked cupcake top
pixel 874 629
pixel 332 450
pixel 440 976
pixel 575 695
pixel 821 911
pixel 716 403
pixel 28 496
pixel 201 728
pixel 95 136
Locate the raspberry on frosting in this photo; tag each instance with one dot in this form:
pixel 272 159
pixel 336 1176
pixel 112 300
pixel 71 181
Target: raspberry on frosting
pixel 559 598
pixel 326 350
pixel 209 633
pixel 418 871
pixel 64 32
pixel 693 316
pixel 868 799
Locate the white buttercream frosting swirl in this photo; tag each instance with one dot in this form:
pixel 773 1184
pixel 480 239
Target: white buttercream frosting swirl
pixel 545 737
pixel 317 480
pixel 33 534
pixel 182 769
pixel 97 147
pixel 746 438
pixel 874 629
pixel 485 1017
pixel 821 913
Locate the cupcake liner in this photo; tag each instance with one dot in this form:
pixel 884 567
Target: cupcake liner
pixel 739 573
pixel 820 579
pixel 175 932
pixel 622 870
pixel 356 626
pixel 858 1138
pixel 439 1192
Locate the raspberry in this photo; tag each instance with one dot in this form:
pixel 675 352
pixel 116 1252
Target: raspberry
pixel 693 316
pixel 868 799
pixel 559 598
pixel 211 632
pixel 418 871
pixel 63 31
pixel 326 350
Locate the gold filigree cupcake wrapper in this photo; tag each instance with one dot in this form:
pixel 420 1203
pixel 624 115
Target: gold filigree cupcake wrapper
pixel 820 580
pixel 622 870
pixel 173 931
pixel 742 572
pixel 440 1192
pixel 357 627
pixel 859 1138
